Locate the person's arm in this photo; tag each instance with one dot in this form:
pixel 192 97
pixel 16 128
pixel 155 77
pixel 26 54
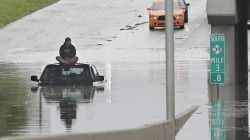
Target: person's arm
pixel 73 51
pixel 61 51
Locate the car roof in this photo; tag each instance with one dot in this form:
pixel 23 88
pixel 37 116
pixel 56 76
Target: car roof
pixel 164 1
pixel 76 64
pixel 159 1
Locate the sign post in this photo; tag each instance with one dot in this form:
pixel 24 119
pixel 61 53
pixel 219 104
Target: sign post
pixel 217 59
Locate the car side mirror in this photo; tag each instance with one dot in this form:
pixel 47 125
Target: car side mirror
pixel 149 8
pixel 34 78
pixel 187 4
pixel 99 78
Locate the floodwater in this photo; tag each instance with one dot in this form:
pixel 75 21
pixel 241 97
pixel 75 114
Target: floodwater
pixel 114 36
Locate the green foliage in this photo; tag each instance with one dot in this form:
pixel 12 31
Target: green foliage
pixel 11 10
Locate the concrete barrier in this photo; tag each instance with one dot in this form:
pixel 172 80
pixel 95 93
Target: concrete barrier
pixel 163 130
pixel 182 118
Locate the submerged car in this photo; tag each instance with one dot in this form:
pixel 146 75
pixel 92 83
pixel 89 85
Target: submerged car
pixel 157 14
pixel 77 74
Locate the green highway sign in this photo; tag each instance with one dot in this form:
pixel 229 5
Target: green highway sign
pixel 217 58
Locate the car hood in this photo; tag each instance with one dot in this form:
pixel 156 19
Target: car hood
pixel 162 12
pixel 157 12
pixel 65 82
pixel 178 12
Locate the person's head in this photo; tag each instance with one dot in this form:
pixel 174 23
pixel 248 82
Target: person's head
pixel 67 41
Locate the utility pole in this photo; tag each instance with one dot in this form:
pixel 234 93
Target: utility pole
pixel 169 48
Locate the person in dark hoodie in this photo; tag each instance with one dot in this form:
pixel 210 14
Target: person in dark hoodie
pixel 67 53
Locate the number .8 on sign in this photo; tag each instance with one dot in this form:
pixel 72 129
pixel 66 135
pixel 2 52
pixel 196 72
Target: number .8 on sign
pixel 218 77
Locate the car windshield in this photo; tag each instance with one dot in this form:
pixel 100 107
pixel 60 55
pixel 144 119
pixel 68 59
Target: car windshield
pixel 176 6
pixel 161 6
pixel 59 73
pixel 158 6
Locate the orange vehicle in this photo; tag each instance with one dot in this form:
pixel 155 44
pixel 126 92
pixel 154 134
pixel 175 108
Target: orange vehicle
pixel 157 14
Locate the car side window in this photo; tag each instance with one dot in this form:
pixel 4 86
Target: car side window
pixel 45 75
pixel 94 72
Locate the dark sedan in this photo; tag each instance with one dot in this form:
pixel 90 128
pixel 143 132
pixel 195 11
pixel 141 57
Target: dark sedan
pixel 78 74
pixel 185 5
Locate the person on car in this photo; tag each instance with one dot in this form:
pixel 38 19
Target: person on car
pixel 67 53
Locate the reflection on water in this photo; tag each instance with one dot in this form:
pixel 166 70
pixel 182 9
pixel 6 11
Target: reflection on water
pixel 217 120
pixel 31 112
pixel 12 100
pixel 67 98
pixel 74 93
pixel 229 113
pixel 67 111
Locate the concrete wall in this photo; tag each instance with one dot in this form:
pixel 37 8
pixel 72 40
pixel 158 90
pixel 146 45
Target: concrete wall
pixel 163 130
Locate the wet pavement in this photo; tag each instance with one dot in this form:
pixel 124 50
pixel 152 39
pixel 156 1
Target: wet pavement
pixel 114 36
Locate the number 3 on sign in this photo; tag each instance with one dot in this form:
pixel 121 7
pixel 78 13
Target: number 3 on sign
pixel 217 67
pixel 218 77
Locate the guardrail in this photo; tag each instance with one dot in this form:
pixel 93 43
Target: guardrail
pixel 163 130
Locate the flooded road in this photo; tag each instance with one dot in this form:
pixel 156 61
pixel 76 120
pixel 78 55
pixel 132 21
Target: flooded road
pixel 131 59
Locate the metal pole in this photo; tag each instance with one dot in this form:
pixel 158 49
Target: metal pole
pixel 169 48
